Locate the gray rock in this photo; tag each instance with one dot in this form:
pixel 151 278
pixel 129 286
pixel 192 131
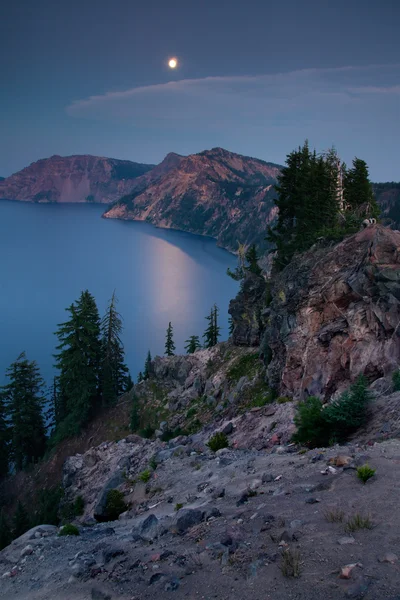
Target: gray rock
pixel 346 540
pixel 267 478
pixel 358 589
pixel 99 512
pixel 99 595
pixel 26 551
pixel 187 518
pixel 228 429
pixel 172 585
pixel 110 552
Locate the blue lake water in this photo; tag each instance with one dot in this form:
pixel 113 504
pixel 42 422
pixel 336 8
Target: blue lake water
pixel 50 253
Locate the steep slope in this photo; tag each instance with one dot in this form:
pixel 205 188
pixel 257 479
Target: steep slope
pixel 216 193
pixel 73 179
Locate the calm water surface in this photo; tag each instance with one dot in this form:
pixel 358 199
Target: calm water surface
pixel 50 253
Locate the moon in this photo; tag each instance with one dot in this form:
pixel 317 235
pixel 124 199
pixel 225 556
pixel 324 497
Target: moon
pixel 173 63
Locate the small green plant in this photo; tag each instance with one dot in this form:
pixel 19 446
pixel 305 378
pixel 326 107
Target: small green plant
pixel 283 399
pixel 334 515
pixel 365 472
pixel 178 506
pixel 153 463
pixel 69 529
pixel 79 506
pixel 247 365
pixel 252 493
pixel 218 441
pixel 191 412
pixel 115 504
pixel 145 476
pixel 396 380
pixel 291 563
pixel 358 522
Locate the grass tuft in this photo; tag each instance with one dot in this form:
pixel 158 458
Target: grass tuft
pixel 358 522
pixel 365 472
pixel 291 563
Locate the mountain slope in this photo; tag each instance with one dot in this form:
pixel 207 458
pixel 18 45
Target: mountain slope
pixel 216 193
pixel 388 197
pixel 73 179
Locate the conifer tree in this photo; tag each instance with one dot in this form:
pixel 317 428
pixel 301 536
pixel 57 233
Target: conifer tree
pixel 24 400
pixel 147 366
pixel 169 341
pixel 192 344
pixel 140 377
pixel 252 259
pixel 113 369
pixel 212 333
pixel 135 418
pixel 4 440
pixel 129 383
pixel 5 531
pixel 79 362
pixel 21 521
pixel 231 325
pixel 358 190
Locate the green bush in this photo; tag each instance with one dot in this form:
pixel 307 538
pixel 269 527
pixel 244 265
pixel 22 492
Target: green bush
pixel 145 476
pixel 178 506
pixel 311 426
pixel 218 441
pixel 283 399
pixel 396 380
pixel 69 529
pixel 247 365
pixel 319 426
pixel 115 504
pixel 365 472
pixel 191 412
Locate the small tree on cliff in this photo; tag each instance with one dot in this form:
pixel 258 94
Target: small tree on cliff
pixel 169 341
pixel 24 400
pixel 147 367
pixel 252 259
pixel 192 344
pixel 212 333
pixel 113 368
pixel 358 190
pixel 4 440
pixel 79 364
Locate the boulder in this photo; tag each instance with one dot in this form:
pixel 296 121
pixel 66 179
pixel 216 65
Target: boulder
pixel 187 518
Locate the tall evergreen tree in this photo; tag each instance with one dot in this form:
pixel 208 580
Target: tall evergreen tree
pixel 113 368
pixel 24 400
pixel 129 383
pixel 4 440
pixel 21 521
pixel 192 344
pixel 358 192
pixel 169 341
pixel 5 531
pixel 212 333
pixel 231 325
pixel 79 362
pixel 147 366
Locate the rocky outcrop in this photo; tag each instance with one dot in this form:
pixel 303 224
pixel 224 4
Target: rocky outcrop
pixel 246 310
pixel 388 197
pixel 336 314
pixel 216 193
pixel 73 179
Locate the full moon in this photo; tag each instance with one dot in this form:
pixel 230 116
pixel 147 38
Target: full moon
pixel 172 63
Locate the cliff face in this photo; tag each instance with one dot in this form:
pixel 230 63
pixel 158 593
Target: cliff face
pixel 73 179
pixel 215 193
pixel 335 314
pixel 388 198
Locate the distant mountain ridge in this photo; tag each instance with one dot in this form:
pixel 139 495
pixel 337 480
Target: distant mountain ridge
pixel 77 178
pixel 216 193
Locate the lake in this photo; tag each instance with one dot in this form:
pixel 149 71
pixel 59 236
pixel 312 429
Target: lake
pixel 50 253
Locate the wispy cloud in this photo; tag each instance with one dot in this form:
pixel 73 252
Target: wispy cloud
pixel 214 101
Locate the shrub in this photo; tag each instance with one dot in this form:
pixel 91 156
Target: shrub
pixel 365 472
pixel 218 441
pixel 283 399
pixel 191 412
pixel 318 426
pixel 145 476
pixel 247 365
pixel 69 529
pixel 311 426
pixel 153 463
pixel 115 504
pixel 291 563
pixel 358 522
pixel 334 515
pixel 178 506
pixel 396 380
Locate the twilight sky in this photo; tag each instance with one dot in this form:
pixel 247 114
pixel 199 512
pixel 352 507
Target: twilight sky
pixel 255 77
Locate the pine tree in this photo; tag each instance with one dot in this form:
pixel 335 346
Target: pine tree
pixel 4 440
pixel 169 341
pixel 79 361
pixel 24 400
pixel 252 259
pixel 147 366
pixel 113 369
pixel 358 192
pixel 129 383
pixel 212 333
pixel 21 521
pixel 140 377
pixel 192 344
pixel 5 531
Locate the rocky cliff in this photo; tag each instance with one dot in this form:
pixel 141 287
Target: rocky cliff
pixel 216 193
pixel 335 314
pixel 73 179
pixel 388 198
